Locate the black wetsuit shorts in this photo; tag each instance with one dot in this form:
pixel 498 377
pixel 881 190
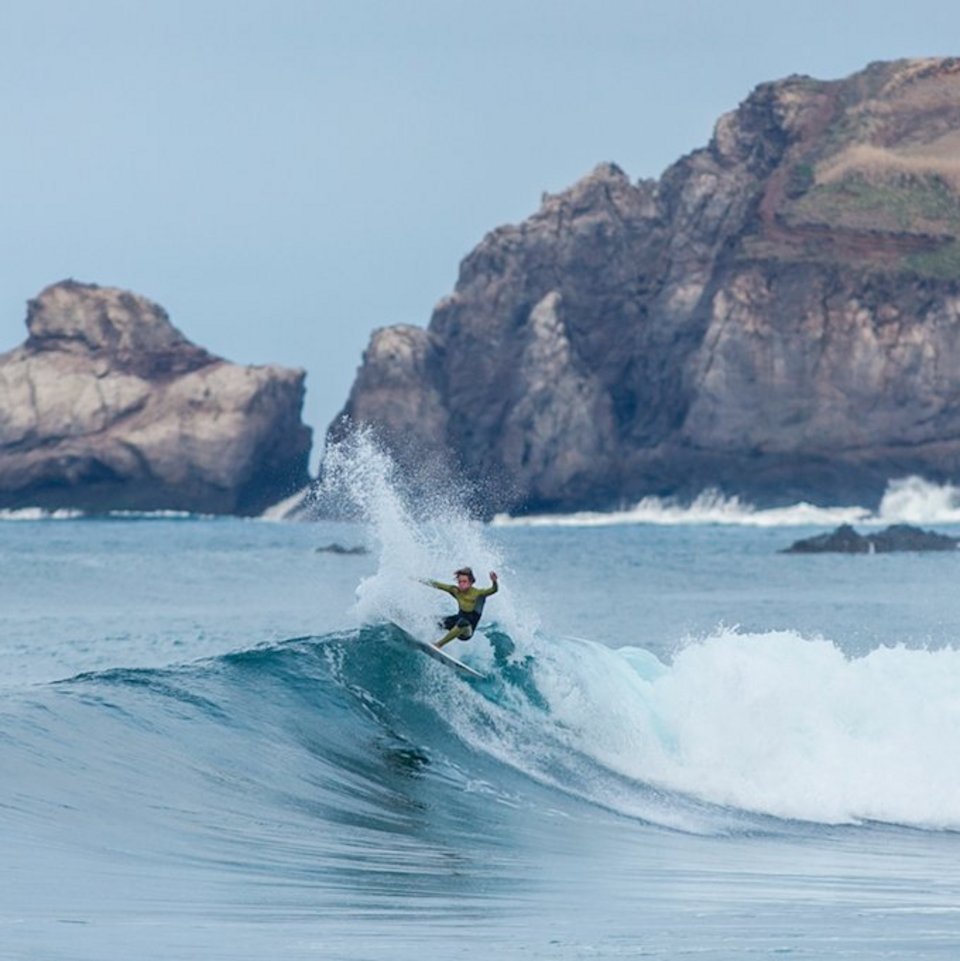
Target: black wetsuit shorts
pixel 467 619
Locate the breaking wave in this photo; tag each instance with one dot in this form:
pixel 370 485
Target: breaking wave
pixel 909 500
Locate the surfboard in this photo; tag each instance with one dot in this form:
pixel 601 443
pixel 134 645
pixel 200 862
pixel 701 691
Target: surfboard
pixel 438 655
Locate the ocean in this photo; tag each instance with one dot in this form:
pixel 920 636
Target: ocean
pixel 687 744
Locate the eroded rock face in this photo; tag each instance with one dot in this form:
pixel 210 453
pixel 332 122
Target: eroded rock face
pixel 778 316
pixel 107 406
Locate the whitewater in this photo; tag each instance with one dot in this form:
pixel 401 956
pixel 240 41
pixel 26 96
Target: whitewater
pixel 686 742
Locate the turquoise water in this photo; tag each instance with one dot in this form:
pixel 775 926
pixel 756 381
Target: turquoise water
pixel 686 744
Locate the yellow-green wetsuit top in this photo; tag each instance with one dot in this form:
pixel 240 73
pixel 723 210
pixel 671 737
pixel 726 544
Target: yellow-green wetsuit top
pixel 469 601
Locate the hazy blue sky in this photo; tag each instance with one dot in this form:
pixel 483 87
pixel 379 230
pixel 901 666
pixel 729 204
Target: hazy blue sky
pixel 285 176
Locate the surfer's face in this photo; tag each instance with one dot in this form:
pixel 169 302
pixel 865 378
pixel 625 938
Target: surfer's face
pixel 463 582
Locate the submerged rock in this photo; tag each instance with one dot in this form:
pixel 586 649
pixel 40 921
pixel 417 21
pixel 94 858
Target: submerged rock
pixel 898 537
pixel 107 406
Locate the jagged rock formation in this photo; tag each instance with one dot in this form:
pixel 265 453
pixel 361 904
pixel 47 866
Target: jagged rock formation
pixel 107 406
pixel 897 537
pixel 778 316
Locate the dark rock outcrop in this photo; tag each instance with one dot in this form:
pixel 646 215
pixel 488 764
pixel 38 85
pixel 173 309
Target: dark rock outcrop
pixel 107 406
pixel 777 317
pixel 341 549
pixel 898 537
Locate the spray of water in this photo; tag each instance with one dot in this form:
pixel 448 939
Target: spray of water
pixel 913 500
pixel 421 532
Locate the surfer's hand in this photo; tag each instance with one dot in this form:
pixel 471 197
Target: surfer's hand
pixel 493 577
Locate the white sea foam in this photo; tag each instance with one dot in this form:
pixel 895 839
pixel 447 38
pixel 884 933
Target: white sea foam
pixel 772 723
pixel 910 500
pixel 38 514
pixel 710 507
pixel 65 514
pixel 913 500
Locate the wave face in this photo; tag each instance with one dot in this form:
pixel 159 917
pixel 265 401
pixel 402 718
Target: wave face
pixel 322 756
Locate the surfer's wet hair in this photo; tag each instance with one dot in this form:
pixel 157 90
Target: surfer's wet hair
pixel 465 572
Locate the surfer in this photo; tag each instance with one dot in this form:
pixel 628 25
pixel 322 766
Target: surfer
pixel 470 601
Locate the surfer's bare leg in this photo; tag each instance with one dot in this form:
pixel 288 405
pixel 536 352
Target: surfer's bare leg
pixel 464 633
pixel 447 638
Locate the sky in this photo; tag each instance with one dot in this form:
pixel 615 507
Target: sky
pixel 285 176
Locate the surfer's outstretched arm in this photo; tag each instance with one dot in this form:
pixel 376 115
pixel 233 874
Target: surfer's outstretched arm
pixel 439 585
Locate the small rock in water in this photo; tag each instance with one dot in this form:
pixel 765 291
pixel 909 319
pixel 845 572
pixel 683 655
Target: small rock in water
pixel 340 549
pixel 898 537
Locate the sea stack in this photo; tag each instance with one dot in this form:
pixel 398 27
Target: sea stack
pixel 107 406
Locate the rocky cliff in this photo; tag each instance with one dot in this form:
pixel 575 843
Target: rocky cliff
pixel 108 406
pixel 778 316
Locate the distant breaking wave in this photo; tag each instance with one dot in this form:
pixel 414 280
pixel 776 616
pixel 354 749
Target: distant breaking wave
pixel 70 514
pixel 909 500
pixel 39 514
